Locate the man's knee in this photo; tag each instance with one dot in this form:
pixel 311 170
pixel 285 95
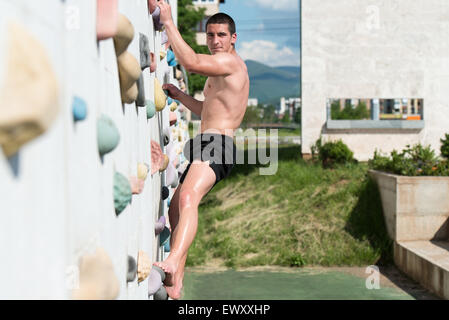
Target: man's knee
pixel 187 199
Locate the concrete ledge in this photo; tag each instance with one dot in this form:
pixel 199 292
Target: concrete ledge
pixel 415 208
pixel 375 124
pixel 426 262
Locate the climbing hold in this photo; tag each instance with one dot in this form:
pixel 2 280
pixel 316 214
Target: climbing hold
pixel 169 100
pixel 151 109
pixel 97 280
pixel 161 294
pixel 155 280
pixel 168 202
pixel 162 54
pixel 171 59
pixel 141 102
pixel 156 15
pixel 165 193
pixel 144 45
pixel 164 164
pixel 173 118
pixel 164 236
pixel 29 96
pixel 129 72
pixel 160 98
pixel 132 269
pixel 164 37
pixel 159 225
pixel 124 36
pixel 107 19
pixel 142 171
pixel 172 176
pixel 79 109
pixel 166 136
pixel 108 136
pixel 153 65
pixel 143 266
pixel 156 157
pixel 122 193
pixel 136 184
pixel 178 74
pixel 167 245
pixel 173 106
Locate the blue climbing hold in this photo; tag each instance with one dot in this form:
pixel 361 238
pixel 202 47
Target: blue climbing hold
pixel 168 202
pixel 79 109
pixel 167 245
pixel 164 236
pixel 169 100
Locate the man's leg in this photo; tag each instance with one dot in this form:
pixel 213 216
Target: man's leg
pixel 198 182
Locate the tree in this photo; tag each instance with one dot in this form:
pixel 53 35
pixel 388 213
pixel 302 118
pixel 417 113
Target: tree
pixel 188 19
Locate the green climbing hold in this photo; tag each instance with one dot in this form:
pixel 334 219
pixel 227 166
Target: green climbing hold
pixel 108 136
pixel 122 193
pixel 151 109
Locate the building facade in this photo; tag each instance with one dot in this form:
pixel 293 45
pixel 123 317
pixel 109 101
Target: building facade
pixel 392 54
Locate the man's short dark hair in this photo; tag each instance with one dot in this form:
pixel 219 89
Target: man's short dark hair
pixel 222 18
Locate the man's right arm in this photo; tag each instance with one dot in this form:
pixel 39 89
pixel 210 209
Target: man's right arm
pixel 191 103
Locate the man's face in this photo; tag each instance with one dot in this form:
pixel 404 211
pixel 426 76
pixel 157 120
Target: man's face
pixel 219 39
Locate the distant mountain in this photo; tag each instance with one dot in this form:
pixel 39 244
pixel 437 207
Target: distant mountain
pixel 269 84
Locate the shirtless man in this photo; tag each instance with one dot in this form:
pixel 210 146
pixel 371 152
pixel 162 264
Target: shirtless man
pixel 226 96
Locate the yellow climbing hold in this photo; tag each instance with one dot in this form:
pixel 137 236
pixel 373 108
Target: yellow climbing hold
pixel 160 99
pixel 142 171
pixel 173 106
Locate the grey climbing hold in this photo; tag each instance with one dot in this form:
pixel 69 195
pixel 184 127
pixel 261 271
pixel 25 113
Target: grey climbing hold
pixel 132 269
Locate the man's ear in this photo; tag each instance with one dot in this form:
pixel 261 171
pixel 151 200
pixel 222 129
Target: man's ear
pixel 234 39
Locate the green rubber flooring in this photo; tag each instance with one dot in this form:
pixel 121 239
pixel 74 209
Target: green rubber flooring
pixel 299 285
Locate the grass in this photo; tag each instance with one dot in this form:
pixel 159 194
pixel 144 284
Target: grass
pixel 303 215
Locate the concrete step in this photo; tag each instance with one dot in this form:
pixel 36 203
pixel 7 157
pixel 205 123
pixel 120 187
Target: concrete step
pixel 426 262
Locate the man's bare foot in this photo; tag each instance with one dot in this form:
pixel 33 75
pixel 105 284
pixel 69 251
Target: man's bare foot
pixel 170 269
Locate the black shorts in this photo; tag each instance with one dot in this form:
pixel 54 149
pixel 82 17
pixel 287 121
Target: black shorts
pixel 218 149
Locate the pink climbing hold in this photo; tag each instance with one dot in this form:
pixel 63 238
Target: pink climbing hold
pixel 157 157
pixel 107 19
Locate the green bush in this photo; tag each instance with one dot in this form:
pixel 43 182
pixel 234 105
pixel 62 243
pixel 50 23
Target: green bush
pixel 412 161
pixel 445 146
pixel 334 152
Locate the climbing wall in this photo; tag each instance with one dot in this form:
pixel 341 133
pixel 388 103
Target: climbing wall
pixel 58 204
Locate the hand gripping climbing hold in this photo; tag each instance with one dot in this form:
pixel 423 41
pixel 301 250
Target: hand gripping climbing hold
pixel 160 99
pixel 132 269
pixel 143 266
pixel 97 278
pixel 159 225
pixel 79 109
pixel 122 193
pixel 130 72
pixel 108 136
pixel 107 19
pixel 124 36
pixel 156 157
pixel 29 96
pixel 156 15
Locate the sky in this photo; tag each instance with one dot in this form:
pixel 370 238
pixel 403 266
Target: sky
pixel 267 30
